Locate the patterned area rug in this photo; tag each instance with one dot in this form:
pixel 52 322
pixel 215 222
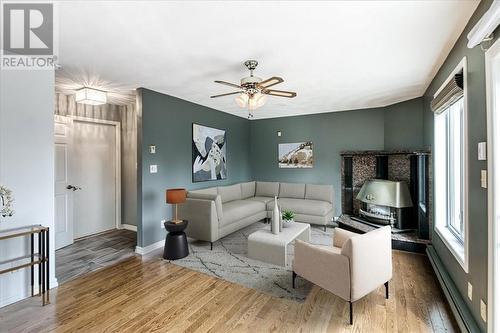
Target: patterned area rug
pixel 228 260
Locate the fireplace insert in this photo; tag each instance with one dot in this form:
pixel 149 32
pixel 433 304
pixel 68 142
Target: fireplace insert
pixel 386 202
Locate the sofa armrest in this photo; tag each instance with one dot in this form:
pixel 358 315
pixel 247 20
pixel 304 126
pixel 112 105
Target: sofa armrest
pixel 202 219
pixel 323 266
pixel 340 236
pixel 213 197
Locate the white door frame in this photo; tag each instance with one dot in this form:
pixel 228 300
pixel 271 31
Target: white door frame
pixel 492 116
pixel 118 169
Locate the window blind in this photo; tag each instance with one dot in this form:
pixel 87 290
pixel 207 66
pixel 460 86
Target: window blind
pixel 451 92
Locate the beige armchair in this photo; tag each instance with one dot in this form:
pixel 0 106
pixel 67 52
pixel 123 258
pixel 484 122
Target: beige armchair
pixel 353 267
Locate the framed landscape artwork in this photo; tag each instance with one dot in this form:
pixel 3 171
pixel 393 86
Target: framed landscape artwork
pixel 295 155
pixel 209 153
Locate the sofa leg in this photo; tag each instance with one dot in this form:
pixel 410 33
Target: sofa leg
pixel 350 312
pixel 211 246
pixel 294 275
pixel 386 289
pixel 325 228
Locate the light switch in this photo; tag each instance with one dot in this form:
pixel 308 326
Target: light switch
pixel 152 149
pixel 469 290
pixel 278 133
pixel 484 314
pixel 484 179
pixel 481 151
pixel 153 168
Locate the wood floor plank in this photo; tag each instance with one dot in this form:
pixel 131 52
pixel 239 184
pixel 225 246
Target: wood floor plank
pixel 152 295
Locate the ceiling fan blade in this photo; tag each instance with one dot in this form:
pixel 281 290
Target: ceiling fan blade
pixel 270 82
pixel 228 84
pixel 279 93
pixel 231 93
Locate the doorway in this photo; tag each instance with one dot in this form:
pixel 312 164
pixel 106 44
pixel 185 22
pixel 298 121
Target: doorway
pixel 87 174
pixel 493 124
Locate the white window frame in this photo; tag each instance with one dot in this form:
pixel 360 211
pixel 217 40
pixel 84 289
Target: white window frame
pixel 459 248
pixel 493 110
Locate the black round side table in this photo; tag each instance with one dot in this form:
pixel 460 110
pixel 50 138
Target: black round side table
pixel 176 245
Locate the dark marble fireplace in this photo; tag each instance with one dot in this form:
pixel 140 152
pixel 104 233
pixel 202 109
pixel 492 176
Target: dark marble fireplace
pixel 411 167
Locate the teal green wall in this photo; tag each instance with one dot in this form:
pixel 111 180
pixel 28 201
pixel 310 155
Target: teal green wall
pixel 478 197
pixel 167 123
pixel 397 126
pixel 252 147
pixel 330 133
pixel 403 125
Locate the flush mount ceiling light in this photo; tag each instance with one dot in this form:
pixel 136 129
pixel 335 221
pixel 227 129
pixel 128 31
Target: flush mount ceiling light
pixel 252 90
pixel 90 96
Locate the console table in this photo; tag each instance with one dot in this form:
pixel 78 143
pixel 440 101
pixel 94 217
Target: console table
pixel 40 258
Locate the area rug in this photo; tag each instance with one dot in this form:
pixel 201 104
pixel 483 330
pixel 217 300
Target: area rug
pixel 228 260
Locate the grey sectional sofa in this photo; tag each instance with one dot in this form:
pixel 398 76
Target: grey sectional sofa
pixel 218 211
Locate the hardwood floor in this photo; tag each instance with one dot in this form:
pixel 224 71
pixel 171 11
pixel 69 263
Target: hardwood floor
pixel 95 252
pixel 151 295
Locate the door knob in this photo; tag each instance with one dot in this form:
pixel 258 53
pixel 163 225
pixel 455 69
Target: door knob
pixel 74 188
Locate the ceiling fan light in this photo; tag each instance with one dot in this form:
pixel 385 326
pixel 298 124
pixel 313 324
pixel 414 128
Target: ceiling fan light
pixel 256 101
pixel 261 100
pixel 242 100
pixel 90 96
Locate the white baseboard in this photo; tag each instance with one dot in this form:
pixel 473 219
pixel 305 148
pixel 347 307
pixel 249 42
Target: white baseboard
pixel 128 227
pixel 150 248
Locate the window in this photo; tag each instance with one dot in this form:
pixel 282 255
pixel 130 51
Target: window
pixel 450 176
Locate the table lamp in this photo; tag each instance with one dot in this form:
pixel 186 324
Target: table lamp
pixel 175 196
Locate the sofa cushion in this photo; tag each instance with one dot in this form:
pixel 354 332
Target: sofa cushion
pixel 239 209
pixel 267 189
pixel 247 190
pixel 261 199
pixel 291 190
pixel 319 192
pixel 302 206
pixel 209 190
pixel 229 193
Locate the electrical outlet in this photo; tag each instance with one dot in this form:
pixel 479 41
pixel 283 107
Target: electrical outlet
pixel 483 311
pixel 469 290
pixel 153 168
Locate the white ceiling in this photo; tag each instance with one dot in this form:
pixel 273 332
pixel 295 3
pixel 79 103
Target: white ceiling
pixel 338 55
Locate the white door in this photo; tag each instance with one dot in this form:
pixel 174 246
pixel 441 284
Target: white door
pixel 63 196
pixel 94 171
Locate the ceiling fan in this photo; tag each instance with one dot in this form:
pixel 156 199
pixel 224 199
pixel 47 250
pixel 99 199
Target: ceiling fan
pixel 253 90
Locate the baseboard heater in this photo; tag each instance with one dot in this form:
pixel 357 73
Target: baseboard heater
pixel 465 320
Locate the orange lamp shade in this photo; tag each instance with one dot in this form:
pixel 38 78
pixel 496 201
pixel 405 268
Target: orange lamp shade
pixel 175 195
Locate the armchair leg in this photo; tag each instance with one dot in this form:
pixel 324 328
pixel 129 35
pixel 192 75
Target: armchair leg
pixel 294 275
pixel 350 312
pixel 211 246
pixel 325 228
pixel 386 289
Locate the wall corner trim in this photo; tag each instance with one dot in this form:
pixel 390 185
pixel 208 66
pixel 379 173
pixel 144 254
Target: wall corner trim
pixel 150 248
pixel 459 308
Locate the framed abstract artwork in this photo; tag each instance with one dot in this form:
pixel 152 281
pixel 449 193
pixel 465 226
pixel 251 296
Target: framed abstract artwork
pixel 209 153
pixel 295 155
